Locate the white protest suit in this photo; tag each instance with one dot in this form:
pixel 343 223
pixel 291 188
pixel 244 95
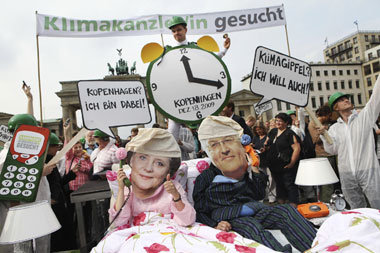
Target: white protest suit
pixel 354 144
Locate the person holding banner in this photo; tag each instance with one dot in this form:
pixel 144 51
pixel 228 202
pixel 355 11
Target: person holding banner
pixel 353 142
pixel 178 26
pixel 226 195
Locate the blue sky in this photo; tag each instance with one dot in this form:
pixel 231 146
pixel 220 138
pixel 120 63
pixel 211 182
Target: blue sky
pixel 63 59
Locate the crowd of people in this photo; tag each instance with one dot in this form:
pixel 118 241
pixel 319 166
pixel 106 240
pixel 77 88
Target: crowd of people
pixel 228 195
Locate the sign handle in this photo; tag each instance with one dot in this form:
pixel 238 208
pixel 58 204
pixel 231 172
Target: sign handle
pixel 39 78
pixel 318 124
pixel 69 145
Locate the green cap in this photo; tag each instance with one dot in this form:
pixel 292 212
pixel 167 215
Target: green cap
pixel 82 140
pixel 176 20
pixel 335 97
pixel 100 134
pixel 193 126
pixel 290 112
pixel 54 140
pixel 21 119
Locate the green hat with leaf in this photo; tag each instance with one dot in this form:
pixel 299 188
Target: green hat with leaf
pixel 176 20
pixel 21 119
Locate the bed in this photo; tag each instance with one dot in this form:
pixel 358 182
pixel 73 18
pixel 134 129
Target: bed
pixel 155 232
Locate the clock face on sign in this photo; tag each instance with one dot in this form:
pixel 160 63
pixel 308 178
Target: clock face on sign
pixel 188 84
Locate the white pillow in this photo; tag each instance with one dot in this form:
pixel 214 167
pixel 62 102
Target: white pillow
pixel 194 169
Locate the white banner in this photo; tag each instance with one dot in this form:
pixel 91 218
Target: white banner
pixel 204 23
pixel 260 109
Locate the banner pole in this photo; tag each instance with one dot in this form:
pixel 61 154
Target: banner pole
pixel 162 41
pixel 318 124
pixel 39 77
pixel 287 39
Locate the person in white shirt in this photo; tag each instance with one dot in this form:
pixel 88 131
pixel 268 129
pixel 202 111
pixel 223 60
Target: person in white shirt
pixel 178 26
pixel 354 144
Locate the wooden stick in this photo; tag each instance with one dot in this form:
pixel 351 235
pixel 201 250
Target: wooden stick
pixel 318 124
pixel 68 146
pixel 287 39
pixel 39 79
pixel 162 41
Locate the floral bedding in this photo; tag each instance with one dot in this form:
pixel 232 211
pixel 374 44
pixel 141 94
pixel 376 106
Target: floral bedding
pixel 154 232
pixel 355 231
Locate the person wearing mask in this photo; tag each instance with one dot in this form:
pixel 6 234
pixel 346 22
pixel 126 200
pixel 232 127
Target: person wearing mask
pixel 226 195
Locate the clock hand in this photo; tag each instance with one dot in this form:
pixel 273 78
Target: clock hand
pixel 191 78
pixel 185 61
pixel 218 83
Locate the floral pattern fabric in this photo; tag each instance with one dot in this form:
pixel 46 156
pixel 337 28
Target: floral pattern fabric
pixel 351 231
pixel 156 233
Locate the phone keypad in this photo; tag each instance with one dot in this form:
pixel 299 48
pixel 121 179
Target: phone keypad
pixel 12 168
pixel 19 181
pixel 22 170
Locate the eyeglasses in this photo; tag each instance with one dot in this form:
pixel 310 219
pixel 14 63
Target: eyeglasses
pixel 216 145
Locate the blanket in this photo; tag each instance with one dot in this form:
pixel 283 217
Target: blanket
pixel 154 232
pixel 355 230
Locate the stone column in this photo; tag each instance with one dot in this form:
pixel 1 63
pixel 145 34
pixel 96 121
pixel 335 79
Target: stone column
pixel 252 111
pixel 65 112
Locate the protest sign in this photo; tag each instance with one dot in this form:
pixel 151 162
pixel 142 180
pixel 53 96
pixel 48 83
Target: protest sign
pixel 203 23
pixel 23 166
pixel 188 83
pixel 106 104
pixel 5 135
pixel 260 109
pixel 278 76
